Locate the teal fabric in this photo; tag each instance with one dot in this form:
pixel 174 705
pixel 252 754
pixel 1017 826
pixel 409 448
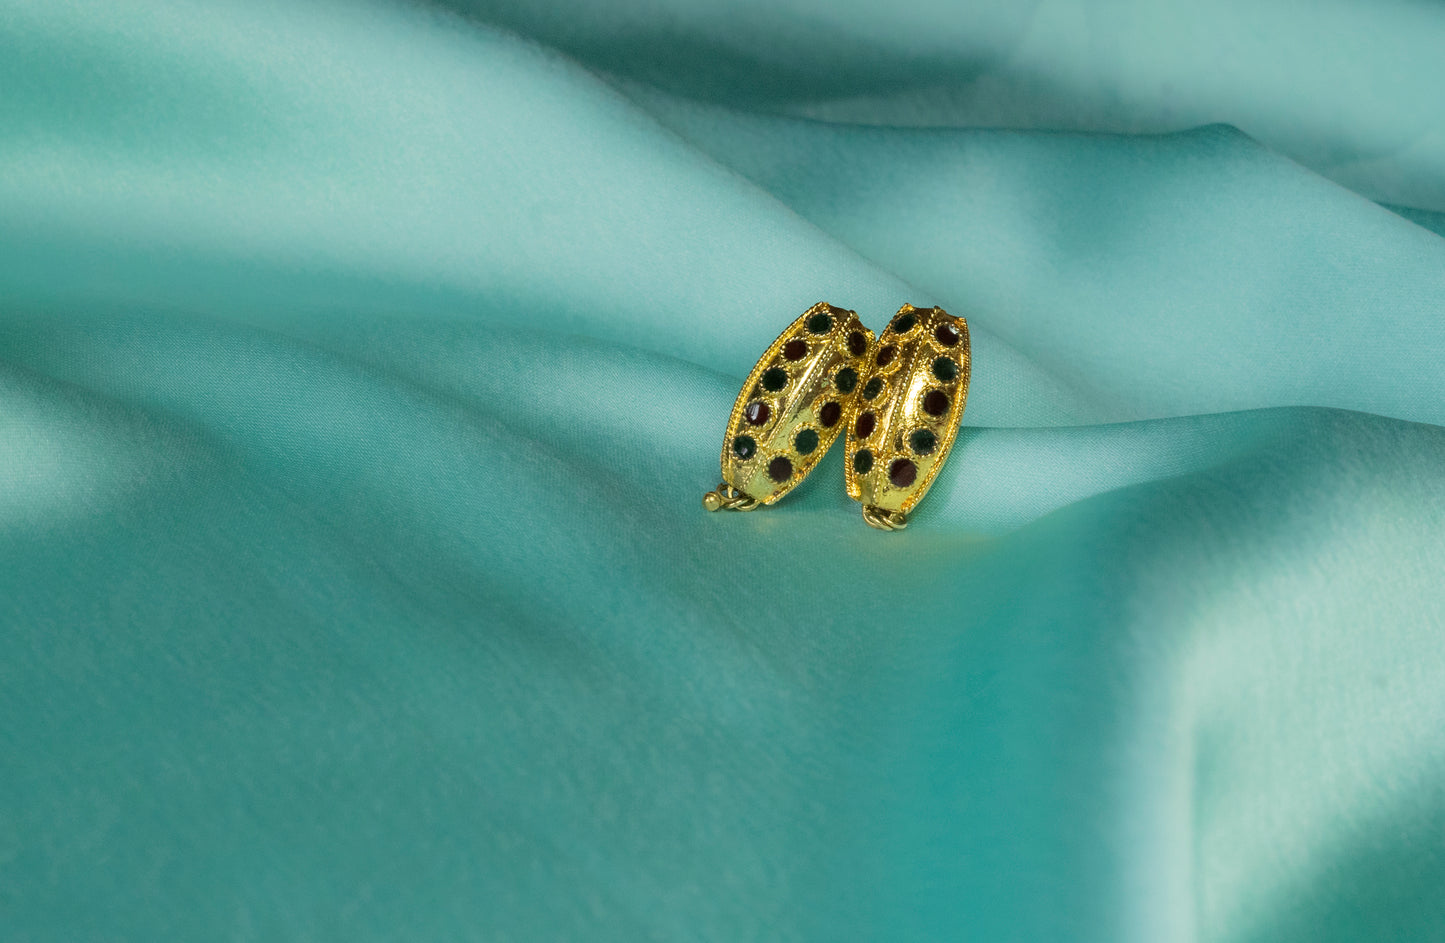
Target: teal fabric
pixel 362 366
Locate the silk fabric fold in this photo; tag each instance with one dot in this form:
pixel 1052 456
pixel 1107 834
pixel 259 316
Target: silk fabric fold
pixel 362 366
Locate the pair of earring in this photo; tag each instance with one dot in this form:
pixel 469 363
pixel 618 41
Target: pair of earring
pixel 899 397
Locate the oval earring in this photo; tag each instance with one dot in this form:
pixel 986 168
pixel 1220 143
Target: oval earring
pixel 791 407
pixel 904 423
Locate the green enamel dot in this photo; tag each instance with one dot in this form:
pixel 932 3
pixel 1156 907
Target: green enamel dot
pixel 922 441
pixel 744 447
pixel 862 462
pixel 904 323
pixel 774 379
pixel 805 441
pixel 846 380
pixel 945 369
pixel 872 388
pixel 820 323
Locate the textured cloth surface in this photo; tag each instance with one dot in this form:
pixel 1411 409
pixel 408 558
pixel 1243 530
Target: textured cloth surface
pixel 362 366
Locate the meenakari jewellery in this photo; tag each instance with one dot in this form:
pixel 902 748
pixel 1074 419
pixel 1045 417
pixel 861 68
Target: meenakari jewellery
pixel 791 407
pixel 900 400
pixel 906 418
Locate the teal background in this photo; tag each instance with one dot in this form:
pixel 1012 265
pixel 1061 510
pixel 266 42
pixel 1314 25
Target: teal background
pixel 362 366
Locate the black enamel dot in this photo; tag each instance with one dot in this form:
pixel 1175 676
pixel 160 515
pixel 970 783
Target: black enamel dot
pixel 846 380
pixel 820 323
pixel 923 441
pixel 829 414
pixel 872 388
pixel 805 442
pixel 857 343
pixel 945 369
pixel 862 461
pixel 780 469
pixel 774 379
pixel 904 323
pixel 744 447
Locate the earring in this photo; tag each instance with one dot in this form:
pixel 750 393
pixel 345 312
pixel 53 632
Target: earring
pixel 905 421
pixel 791 407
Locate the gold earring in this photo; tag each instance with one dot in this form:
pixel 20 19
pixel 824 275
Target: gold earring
pixel 907 416
pixel 791 407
